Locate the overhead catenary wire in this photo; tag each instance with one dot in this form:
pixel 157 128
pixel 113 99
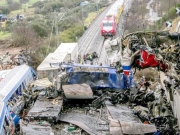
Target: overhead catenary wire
pixel 55 22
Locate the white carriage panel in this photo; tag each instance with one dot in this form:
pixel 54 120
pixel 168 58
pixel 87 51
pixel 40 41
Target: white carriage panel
pixel 13 80
pixel 115 8
pixel 2 116
pixel 66 47
pixel 3 73
pixel 51 58
pixel 70 48
pixel 45 69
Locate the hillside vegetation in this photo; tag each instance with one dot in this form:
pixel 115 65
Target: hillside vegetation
pixel 44 23
pixel 137 19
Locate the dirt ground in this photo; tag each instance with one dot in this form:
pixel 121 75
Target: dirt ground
pixel 4 48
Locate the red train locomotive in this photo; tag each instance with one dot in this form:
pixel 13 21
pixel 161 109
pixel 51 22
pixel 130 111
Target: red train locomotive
pixel 110 21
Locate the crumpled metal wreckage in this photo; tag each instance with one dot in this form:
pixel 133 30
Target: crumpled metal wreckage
pixel 121 111
pixel 8 61
pixel 136 52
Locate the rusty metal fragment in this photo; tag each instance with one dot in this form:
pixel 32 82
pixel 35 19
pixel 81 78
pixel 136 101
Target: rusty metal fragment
pixel 78 91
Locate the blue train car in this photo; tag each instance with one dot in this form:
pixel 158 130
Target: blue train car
pixel 7 125
pixel 11 88
pixel 97 76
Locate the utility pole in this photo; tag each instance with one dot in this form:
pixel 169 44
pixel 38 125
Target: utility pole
pixel 82 17
pixel 160 7
pixel 142 9
pixel 178 31
pixel 56 28
pixel 168 9
pixel 97 6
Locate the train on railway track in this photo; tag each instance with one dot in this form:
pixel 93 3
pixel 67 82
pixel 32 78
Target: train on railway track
pixel 110 22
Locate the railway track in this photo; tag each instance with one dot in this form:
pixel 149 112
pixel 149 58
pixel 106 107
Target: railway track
pixel 92 41
pixel 120 31
pixel 91 38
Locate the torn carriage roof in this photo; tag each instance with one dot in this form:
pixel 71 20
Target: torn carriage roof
pixel 18 77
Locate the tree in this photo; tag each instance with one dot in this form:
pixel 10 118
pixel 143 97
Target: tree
pixel 23 35
pixel 14 6
pixel 40 29
pixel 9 1
pixel 46 9
pixel 38 4
pixel 71 33
pixel 23 1
pixel 4 10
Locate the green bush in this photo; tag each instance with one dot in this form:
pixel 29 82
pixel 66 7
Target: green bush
pixel 30 19
pixel 53 42
pixel 14 6
pixel 178 5
pixel 39 4
pixel 4 10
pixel 71 34
pixel 46 9
pixel 172 12
pixel 56 5
pixel 43 51
pixel 40 29
pixel 8 26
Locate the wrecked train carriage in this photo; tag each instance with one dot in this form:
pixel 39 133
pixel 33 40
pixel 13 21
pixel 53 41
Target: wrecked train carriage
pixel 165 54
pixel 97 77
pixel 151 38
pixel 47 105
pixel 11 96
pixel 66 52
pixel 44 111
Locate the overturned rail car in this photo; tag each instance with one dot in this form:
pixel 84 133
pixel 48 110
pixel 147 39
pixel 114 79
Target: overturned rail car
pixel 11 101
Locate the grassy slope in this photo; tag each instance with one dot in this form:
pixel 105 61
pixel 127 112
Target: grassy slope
pixel 3 2
pixel 4 35
pixel 91 17
pixel 26 12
